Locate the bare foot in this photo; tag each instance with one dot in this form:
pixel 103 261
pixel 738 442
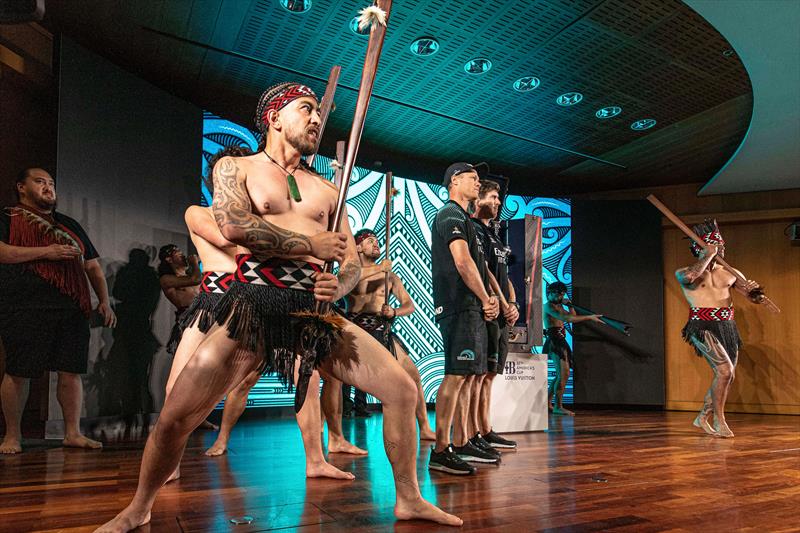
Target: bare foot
pixel 82 442
pixel 218 448
pixel 343 446
pixel 561 410
pixel 722 430
pixel 702 422
pixel 327 470
pixel 205 424
pixel 422 510
pixel 427 434
pixel 10 446
pixel 173 476
pixel 125 521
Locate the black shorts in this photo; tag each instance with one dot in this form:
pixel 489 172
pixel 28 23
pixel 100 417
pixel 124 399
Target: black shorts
pixel 36 340
pixel 465 342
pixel 497 346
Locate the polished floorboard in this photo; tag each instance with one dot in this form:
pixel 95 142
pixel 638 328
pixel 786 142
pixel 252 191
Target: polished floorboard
pixel 601 471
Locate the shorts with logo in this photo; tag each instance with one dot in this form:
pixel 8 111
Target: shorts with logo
pixel 465 342
pixel 497 345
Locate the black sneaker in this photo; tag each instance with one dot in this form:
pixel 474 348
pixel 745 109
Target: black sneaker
pixel 479 442
pixel 499 442
pixel 471 453
pixel 447 461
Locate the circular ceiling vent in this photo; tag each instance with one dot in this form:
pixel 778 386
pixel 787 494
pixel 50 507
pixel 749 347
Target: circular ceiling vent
pixel 526 83
pixel 425 46
pixel 296 6
pixel 568 99
pixel 608 112
pixel 354 27
pixel 479 65
pixel 643 124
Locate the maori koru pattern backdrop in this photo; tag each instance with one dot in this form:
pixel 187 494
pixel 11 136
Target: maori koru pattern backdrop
pixel 413 210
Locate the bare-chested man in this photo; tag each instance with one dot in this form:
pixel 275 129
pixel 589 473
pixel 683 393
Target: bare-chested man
pixel 556 346
pixel 367 309
pixel 277 212
pixel 711 329
pixel 179 277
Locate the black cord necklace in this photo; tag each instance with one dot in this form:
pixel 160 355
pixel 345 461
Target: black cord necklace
pixel 294 191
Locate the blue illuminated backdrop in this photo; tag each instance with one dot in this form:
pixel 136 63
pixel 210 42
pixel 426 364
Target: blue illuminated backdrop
pixel 413 210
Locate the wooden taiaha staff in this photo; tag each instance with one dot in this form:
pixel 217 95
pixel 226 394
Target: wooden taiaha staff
pixel 389 195
pixel 323 327
pixel 700 242
pixel 325 110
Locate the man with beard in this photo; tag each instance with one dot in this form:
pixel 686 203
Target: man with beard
pixel 711 329
pixel 277 213
pixel 496 253
pixel 556 345
pixel 368 310
pixel 463 304
pixel 45 259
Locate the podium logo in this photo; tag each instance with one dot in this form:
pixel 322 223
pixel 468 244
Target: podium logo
pixel 511 367
pixel 466 355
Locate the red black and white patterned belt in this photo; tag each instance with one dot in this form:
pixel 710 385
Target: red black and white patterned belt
pixel 216 282
pixel 712 314
pixel 368 321
pixel 277 272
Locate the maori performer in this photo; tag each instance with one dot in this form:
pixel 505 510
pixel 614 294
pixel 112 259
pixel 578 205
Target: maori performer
pixel 711 329
pixel 556 346
pixel 277 213
pixel 367 308
pixel 179 277
pixel 496 253
pixel 45 261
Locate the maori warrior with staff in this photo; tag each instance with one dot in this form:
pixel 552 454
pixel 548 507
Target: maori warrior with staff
pixel 711 328
pixel 281 217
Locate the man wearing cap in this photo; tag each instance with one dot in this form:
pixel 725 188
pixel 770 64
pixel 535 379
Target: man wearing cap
pixel 462 304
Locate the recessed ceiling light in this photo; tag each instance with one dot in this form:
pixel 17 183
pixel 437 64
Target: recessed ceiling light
pixel 479 65
pixel 643 124
pixel 354 27
pixel 608 112
pixel 728 52
pixel 526 83
pixel 296 6
pixel 425 46
pixel 568 99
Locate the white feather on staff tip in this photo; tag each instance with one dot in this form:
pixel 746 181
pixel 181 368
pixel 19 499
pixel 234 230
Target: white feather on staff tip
pixel 335 165
pixel 371 15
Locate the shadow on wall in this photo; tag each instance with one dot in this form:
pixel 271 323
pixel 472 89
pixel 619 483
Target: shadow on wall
pixel 120 376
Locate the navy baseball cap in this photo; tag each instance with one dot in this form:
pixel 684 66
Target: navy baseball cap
pixel 460 168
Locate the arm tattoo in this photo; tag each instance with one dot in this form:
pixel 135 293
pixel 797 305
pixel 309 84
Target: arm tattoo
pixel 688 275
pixel 349 274
pixel 234 216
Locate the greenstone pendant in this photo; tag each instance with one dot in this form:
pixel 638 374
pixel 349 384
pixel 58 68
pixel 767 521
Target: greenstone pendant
pixel 294 191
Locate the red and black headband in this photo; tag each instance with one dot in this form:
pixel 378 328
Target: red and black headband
pixel 363 235
pixel 284 97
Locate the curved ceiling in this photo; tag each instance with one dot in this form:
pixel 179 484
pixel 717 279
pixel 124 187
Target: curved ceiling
pixel 652 58
pixel 766 35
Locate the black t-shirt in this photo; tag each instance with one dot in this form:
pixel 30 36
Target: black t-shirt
pixel 450 293
pixel 496 254
pixel 23 289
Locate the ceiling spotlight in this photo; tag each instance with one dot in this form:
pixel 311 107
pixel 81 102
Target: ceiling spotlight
pixel 568 99
pixel 479 65
pixel 526 83
pixel 354 27
pixel 296 6
pixel 425 46
pixel 608 112
pixel 643 124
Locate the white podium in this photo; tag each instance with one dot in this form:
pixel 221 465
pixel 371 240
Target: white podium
pixel 519 395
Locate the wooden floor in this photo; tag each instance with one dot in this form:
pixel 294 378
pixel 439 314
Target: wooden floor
pixel 620 471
